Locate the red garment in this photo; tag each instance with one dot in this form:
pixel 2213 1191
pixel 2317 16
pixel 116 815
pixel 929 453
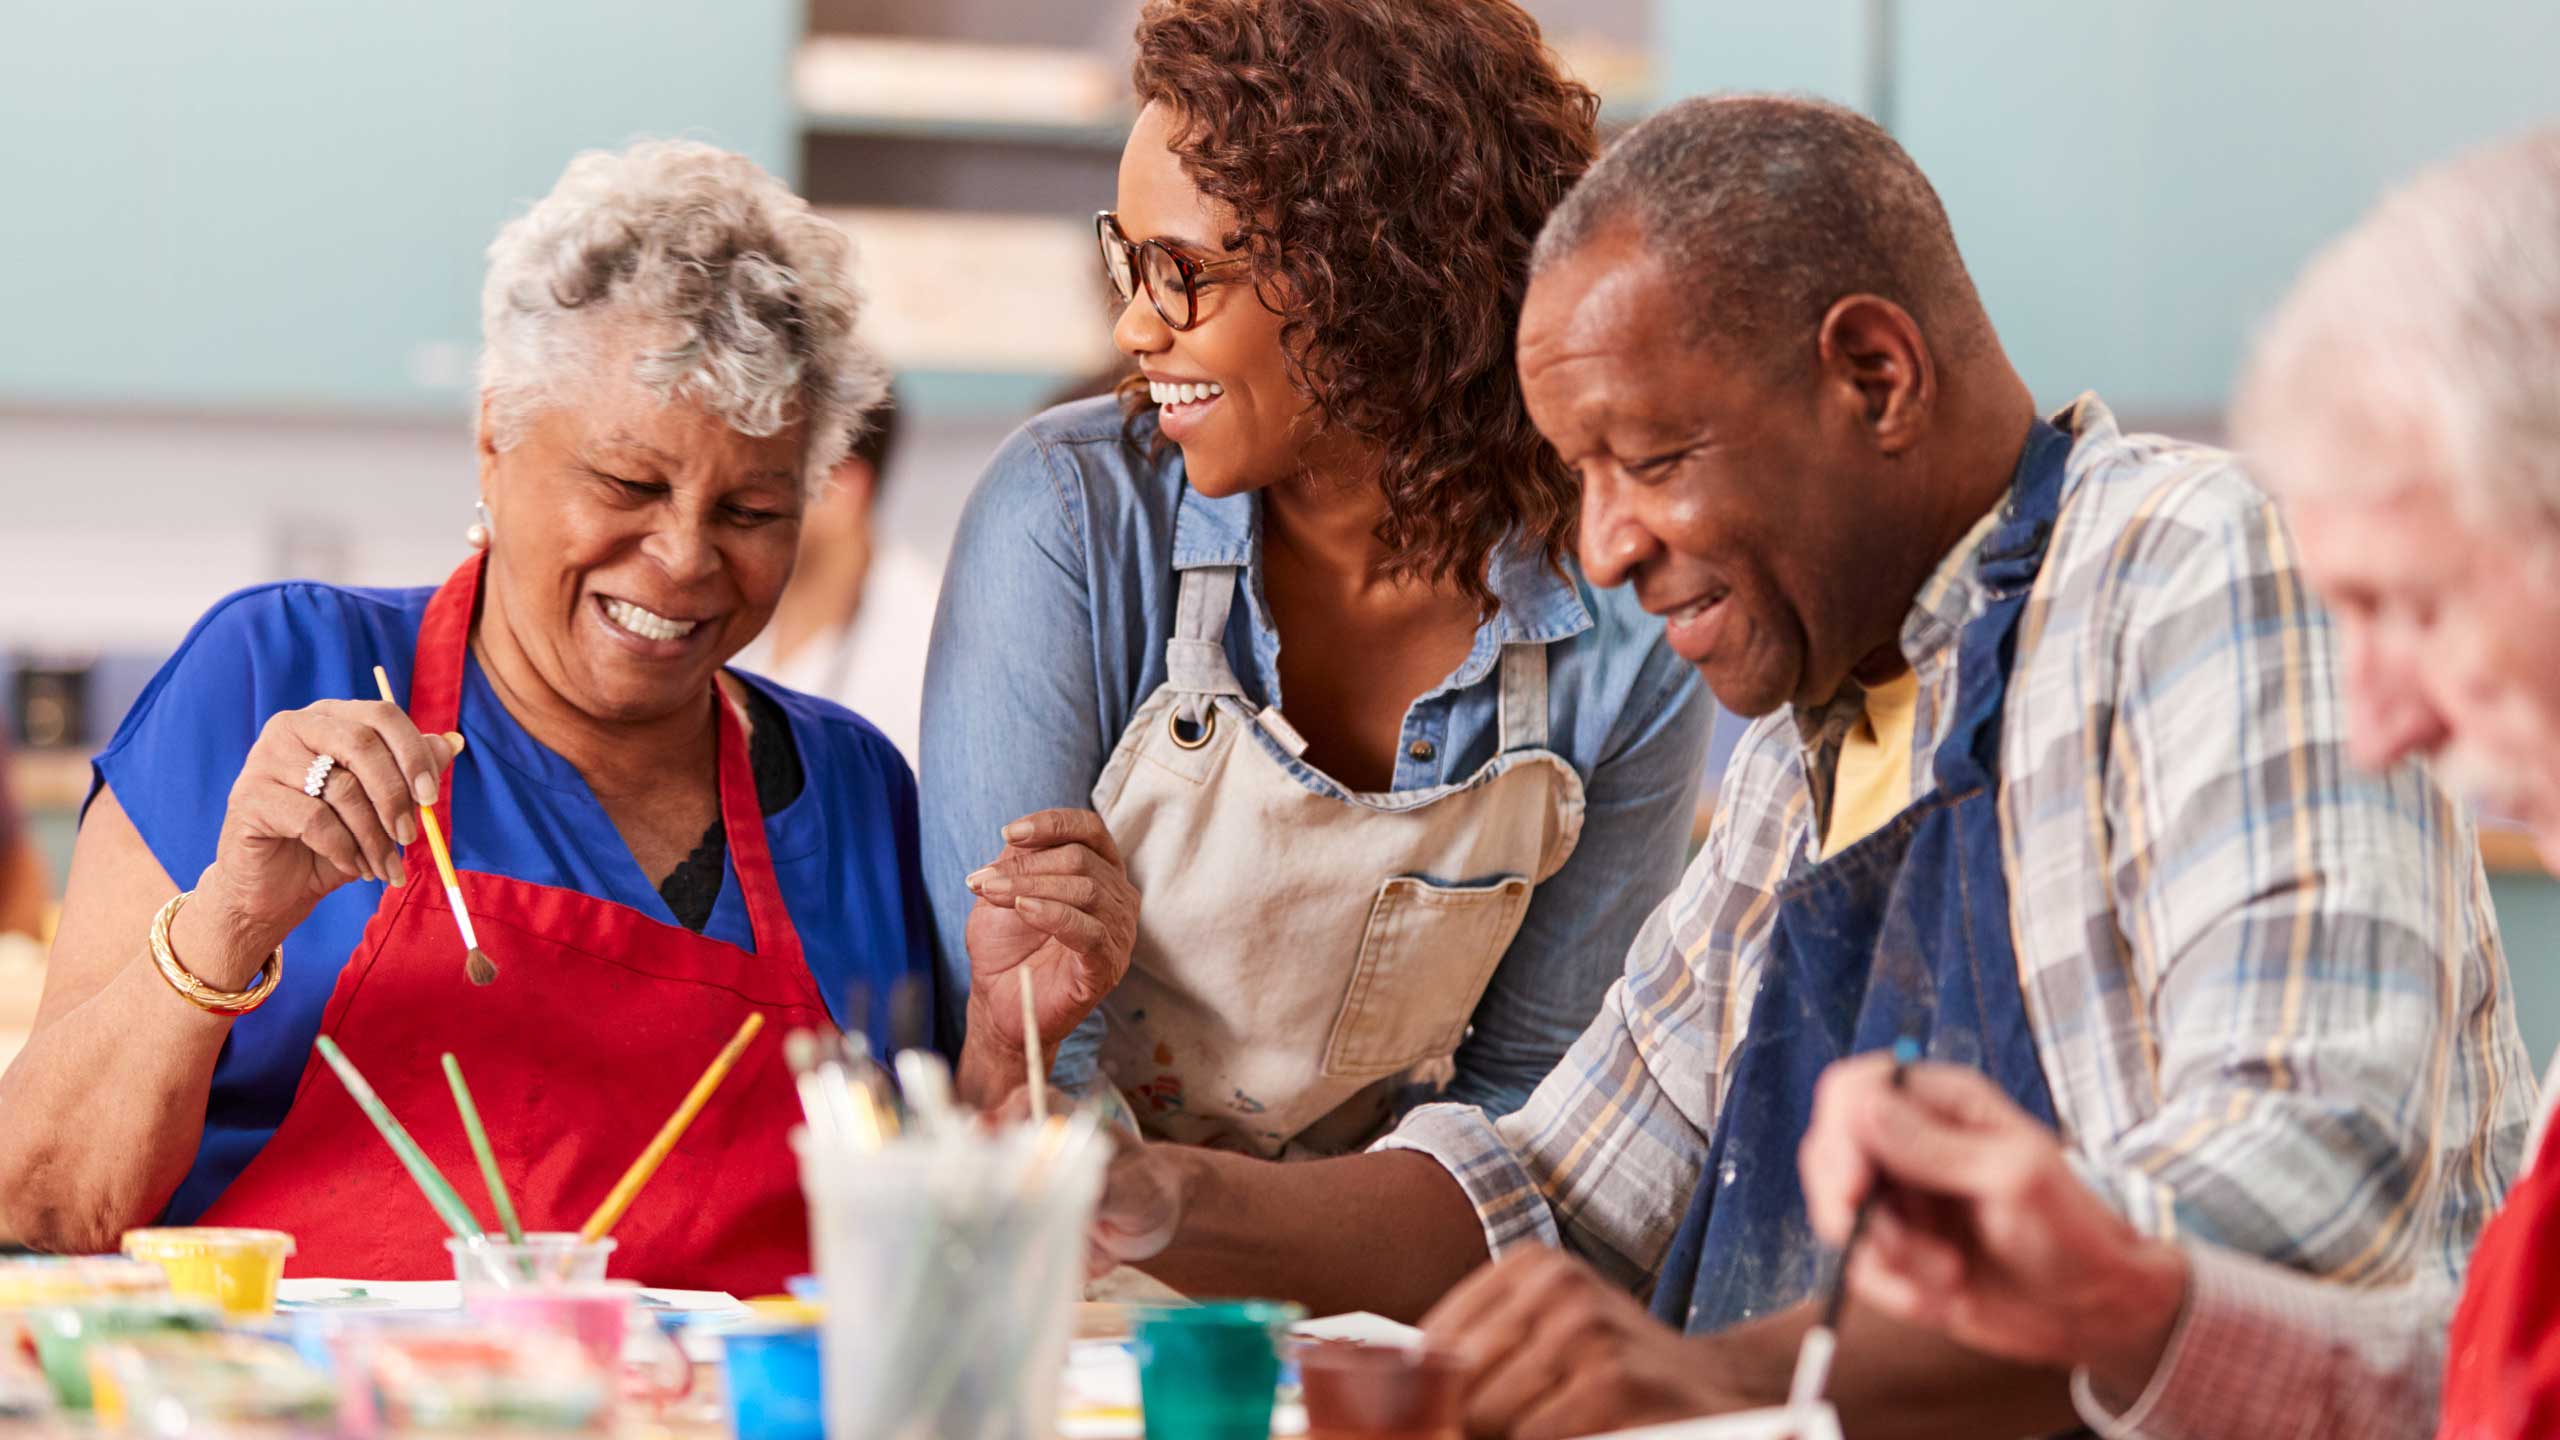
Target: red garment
pixel 599 1022
pixel 2502 1365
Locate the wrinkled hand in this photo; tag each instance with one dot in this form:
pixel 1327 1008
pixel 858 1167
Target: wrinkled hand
pixel 281 851
pixel 1056 903
pixel 1987 1234
pixel 1553 1348
pixel 1142 1194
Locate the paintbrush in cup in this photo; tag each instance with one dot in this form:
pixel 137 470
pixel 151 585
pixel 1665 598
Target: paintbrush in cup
pixel 480 1151
pixel 1813 1358
pixel 1038 1073
pixel 475 961
pixel 440 1193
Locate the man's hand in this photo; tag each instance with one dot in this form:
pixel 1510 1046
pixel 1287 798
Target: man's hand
pixel 1143 1192
pixel 1554 1349
pixel 1986 1234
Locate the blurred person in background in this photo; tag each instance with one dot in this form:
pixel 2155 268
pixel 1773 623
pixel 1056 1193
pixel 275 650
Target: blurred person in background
pixel 853 624
pixel 655 847
pixel 1293 628
pixel 2404 406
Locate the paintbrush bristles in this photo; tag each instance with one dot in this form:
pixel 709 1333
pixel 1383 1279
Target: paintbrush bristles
pixel 481 969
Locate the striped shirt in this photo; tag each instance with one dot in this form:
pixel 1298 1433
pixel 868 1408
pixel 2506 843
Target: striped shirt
pixel 2266 988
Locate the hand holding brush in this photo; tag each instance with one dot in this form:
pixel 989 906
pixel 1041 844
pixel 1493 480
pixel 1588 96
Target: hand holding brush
pixel 475 961
pixel 1813 1357
pixel 1991 1236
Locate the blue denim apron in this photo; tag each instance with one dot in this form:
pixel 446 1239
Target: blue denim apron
pixel 1905 933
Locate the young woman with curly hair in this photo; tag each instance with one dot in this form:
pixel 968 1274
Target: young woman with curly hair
pixel 1292 629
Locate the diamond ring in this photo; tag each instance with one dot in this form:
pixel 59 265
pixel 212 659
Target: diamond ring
pixel 317 777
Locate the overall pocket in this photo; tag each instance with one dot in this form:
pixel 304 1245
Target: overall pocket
pixel 1425 959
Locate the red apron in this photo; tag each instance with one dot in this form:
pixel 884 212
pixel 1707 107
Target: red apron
pixel 600 1020
pixel 2502 1365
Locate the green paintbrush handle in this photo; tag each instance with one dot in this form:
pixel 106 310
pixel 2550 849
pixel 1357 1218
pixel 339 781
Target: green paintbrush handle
pixel 480 1150
pixel 457 1216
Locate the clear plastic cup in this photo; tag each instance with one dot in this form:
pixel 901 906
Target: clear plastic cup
pixel 207 1385
pixel 477 1381
pixel 27 1281
pixel 546 1257
pixel 602 1316
pixel 968 1253
pixel 1211 1372
pixel 64 1333
pixel 235 1269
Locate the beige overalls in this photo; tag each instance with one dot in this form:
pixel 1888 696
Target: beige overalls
pixel 1302 949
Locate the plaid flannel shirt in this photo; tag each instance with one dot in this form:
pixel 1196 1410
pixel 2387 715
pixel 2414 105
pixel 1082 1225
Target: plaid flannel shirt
pixel 2266 987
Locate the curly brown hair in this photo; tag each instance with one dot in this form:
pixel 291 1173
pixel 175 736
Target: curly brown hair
pixel 1390 163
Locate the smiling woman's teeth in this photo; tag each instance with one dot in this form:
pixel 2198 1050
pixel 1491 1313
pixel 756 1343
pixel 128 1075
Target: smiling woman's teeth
pixel 1164 394
pixel 647 624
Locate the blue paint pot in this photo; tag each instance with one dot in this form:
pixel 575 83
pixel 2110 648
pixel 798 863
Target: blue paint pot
pixel 773 1384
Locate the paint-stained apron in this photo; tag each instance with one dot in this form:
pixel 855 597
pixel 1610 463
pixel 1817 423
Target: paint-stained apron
pixel 1903 934
pixel 2502 1364
pixel 600 1019
pixel 1305 951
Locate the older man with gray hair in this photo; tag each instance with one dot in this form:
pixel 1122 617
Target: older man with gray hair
pixel 2049 781
pixel 2405 405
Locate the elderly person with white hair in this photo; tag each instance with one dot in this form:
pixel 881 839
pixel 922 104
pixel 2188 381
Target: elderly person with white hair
pixel 2405 408
pixel 651 847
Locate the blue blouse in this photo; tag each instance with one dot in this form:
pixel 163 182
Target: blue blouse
pixel 1056 605
pixel 844 852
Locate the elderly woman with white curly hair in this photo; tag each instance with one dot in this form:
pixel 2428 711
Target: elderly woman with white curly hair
pixel 651 847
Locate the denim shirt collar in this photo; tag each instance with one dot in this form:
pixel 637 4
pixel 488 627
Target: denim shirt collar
pixel 1534 603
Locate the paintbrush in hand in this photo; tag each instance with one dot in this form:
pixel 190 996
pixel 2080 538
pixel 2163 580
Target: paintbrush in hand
pixel 475 961
pixel 1813 1358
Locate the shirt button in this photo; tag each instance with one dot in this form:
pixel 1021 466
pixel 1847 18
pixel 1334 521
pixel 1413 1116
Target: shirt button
pixel 1423 750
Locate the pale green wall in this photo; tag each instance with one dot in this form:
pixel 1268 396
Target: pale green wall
pixel 282 204
pixel 2529 921
pixel 2134 184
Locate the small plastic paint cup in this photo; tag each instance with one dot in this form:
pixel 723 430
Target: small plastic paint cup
pixel 1381 1392
pixel 235 1269
pixel 27 1281
pixel 774 1383
pixel 599 1315
pixel 546 1257
pixel 1209 1372
pixel 64 1333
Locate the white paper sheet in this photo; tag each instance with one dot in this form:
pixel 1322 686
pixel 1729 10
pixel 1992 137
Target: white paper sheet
pixel 322 1294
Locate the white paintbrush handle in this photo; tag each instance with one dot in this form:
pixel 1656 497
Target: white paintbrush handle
pixel 461 917
pixel 1813 1367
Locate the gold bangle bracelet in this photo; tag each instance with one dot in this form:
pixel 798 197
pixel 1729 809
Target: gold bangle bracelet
pixel 194 991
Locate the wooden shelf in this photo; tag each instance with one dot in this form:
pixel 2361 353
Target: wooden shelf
pixel 49 779
pixel 1102 135
pixel 2507 850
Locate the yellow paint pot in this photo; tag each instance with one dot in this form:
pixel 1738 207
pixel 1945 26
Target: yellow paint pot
pixel 235 1269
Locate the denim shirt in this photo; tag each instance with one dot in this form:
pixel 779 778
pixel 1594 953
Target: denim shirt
pixel 1055 610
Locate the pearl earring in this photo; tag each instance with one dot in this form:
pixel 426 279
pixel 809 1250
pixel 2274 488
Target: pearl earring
pixel 477 535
